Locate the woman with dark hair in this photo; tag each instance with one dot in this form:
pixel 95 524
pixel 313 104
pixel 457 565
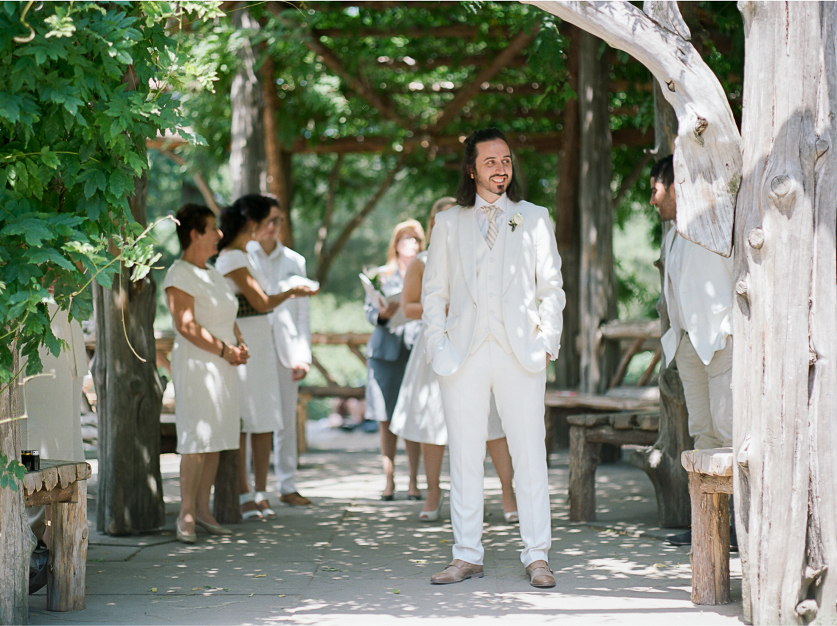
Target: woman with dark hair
pixel 388 352
pixel 207 347
pixel 248 219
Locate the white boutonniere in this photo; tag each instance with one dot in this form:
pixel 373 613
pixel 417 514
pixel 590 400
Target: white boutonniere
pixel 516 221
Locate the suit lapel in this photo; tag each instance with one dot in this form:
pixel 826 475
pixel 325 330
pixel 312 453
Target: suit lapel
pixel 468 232
pixel 514 241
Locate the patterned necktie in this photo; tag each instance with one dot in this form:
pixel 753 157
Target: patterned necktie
pixel 491 213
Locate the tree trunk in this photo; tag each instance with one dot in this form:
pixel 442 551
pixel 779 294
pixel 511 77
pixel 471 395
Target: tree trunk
pixel 129 403
pixel 247 153
pixel 567 229
pixel 278 160
pixel 16 540
pixel 662 461
pixel 785 327
pixel 598 280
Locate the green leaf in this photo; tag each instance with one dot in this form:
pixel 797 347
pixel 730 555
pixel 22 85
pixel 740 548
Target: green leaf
pixel 10 107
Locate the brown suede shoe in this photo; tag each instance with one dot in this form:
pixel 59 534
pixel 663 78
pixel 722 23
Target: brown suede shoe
pixel 539 574
pixel 294 499
pixel 456 572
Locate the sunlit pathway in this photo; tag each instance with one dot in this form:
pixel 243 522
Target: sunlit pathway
pixel 352 559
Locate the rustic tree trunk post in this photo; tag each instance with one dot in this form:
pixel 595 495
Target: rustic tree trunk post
pixel 567 228
pixel 16 540
pixel 278 160
pixel 662 461
pixel 597 276
pixel 130 494
pixel 785 437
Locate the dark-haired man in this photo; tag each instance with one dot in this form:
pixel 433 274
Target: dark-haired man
pixel 698 290
pixel 492 308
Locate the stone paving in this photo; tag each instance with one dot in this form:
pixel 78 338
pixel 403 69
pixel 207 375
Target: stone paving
pixel 352 559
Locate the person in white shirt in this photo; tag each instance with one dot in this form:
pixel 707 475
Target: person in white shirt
pixel 698 287
pixel 291 333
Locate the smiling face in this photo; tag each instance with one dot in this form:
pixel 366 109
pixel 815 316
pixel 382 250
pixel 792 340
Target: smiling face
pixel 664 199
pixel 205 244
pixel 492 169
pixel 408 245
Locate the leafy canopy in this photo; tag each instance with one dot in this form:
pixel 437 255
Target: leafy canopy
pixel 82 85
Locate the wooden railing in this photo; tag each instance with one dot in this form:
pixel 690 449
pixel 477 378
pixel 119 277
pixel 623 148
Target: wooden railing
pixel 646 337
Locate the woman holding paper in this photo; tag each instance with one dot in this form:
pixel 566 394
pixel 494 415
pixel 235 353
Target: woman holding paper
pixel 389 350
pixel 260 404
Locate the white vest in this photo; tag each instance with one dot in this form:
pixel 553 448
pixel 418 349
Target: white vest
pixel 489 267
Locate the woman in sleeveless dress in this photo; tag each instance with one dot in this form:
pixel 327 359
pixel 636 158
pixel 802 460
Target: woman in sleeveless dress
pixel 418 414
pixel 245 221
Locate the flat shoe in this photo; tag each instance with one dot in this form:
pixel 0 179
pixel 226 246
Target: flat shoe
pixel 243 499
pixel 294 499
pixel 184 537
pixel 213 529
pixel 456 572
pixel 540 575
pixel 266 512
pixel 511 517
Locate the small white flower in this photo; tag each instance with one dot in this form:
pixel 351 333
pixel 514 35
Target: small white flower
pixel 516 221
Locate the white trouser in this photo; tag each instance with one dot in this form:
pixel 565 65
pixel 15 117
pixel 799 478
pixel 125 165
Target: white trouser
pixel 284 441
pixel 519 394
pixel 708 390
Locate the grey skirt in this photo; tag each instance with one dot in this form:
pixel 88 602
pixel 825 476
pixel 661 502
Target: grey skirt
pixel 383 382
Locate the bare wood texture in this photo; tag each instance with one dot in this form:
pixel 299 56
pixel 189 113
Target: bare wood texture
pixel 584 459
pixel 710 544
pixel 67 565
pixel 16 540
pixel 568 227
pixel 597 275
pixel 631 329
pixel 710 462
pixel 599 403
pixel 707 159
pixel 226 508
pixel 783 363
pixel 277 174
pixel 247 152
pixel 129 399
pixel 648 374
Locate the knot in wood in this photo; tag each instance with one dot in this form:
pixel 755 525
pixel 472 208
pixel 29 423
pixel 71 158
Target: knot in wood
pixel 807 609
pixel 812 357
pixel 741 288
pixel 700 125
pixel 670 85
pixel 756 238
pixel 821 146
pixel 780 185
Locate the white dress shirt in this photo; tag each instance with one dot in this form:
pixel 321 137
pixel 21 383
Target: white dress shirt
pixel 482 216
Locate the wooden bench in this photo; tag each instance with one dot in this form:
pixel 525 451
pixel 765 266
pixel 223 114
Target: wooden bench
pixel 63 485
pixel 710 482
pixel 587 434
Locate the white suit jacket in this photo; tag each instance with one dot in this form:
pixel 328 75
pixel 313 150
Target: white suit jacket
pixel 704 294
pixel 290 320
pixel 532 293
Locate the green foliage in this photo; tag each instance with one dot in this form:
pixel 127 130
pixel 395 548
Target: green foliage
pixel 77 101
pixel 9 471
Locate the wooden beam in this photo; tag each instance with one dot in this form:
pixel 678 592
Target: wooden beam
pixel 453 31
pixel 518 42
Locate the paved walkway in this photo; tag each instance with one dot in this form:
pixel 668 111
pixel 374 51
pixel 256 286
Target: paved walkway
pixel 352 559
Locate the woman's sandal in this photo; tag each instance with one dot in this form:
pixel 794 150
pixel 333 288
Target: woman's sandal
pixel 267 512
pixel 243 499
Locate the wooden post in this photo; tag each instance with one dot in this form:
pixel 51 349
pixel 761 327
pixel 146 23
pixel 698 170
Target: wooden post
pixel 584 459
pixel 567 228
pixel 129 403
pixel 598 279
pixel 277 159
pixel 226 508
pixel 16 540
pixel 710 543
pixel 67 565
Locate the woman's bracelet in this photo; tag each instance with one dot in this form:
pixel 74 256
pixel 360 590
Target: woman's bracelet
pixel 223 349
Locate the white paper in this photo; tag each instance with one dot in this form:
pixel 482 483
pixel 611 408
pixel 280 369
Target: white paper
pixel 297 281
pixel 381 301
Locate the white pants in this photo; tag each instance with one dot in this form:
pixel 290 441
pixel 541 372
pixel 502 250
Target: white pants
pixel 708 390
pixel 285 455
pixel 519 395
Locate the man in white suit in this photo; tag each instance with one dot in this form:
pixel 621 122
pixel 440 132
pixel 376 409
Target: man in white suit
pixel 698 289
pixel 492 301
pixel 292 338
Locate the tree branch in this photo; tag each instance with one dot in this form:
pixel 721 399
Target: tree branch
pixel 340 242
pixel 200 182
pixel 707 155
pixel 320 249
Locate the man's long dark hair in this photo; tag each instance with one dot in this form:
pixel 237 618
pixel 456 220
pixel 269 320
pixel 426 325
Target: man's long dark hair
pixel 466 194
